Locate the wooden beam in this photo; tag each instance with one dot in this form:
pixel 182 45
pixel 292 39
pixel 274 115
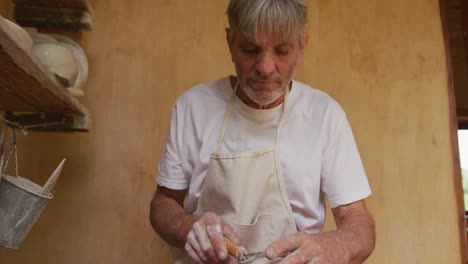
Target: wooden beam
pixel 465 29
pixel 51 17
pixel 462 115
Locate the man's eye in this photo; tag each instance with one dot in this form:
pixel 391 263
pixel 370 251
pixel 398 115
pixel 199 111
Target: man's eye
pixel 282 52
pixel 250 51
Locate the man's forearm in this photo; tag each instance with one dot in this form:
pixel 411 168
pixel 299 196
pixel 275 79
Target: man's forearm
pixel 355 236
pixel 170 220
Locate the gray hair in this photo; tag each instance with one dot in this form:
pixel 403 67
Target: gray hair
pixel 285 19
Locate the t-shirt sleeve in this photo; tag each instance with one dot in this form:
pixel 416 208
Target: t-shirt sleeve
pixel 343 178
pixel 170 172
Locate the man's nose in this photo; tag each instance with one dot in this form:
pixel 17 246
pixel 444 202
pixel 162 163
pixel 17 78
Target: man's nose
pixel 265 64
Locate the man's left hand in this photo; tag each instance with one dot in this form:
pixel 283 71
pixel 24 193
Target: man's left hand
pixel 302 247
pixel 352 242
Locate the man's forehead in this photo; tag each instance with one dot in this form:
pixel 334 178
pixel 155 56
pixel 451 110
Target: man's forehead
pixel 261 39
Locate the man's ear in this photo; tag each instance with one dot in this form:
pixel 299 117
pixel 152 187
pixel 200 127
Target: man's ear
pixel 229 40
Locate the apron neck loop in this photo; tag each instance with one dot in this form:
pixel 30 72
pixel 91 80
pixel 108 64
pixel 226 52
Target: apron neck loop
pixel 227 116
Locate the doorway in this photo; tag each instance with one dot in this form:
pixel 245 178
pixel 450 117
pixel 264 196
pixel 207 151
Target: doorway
pixel 454 15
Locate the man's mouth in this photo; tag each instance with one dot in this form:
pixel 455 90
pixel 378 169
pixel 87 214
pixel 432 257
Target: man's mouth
pixel 262 85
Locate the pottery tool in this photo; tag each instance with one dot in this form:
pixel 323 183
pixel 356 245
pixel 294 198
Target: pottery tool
pixel 242 255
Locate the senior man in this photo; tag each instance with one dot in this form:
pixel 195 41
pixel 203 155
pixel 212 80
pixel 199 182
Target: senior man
pixel 249 157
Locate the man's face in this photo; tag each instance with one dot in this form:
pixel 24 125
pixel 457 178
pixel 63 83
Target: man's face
pixel 264 67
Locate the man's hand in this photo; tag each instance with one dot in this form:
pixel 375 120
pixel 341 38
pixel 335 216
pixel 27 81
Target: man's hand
pixel 307 248
pixel 352 242
pixel 205 241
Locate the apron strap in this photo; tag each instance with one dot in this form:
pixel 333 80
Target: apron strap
pixel 281 120
pixel 227 115
pixel 229 112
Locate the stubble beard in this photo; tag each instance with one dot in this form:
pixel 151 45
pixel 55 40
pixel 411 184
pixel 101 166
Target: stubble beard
pixel 263 98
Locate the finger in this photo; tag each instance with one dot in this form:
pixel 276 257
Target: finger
pixel 230 233
pixel 292 259
pixel 284 245
pixel 231 260
pixel 192 253
pixel 217 240
pixel 313 260
pixel 295 257
pixel 192 240
pixel 205 242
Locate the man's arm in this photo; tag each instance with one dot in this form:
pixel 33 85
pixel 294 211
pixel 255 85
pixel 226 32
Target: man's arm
pixel 168 217
pixel 352 242
pixel 356 230
pixel 200 236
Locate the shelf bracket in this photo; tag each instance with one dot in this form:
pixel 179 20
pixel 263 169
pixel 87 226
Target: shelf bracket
pixel 50 122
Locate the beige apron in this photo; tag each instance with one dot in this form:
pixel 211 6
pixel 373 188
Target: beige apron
pixel 248 191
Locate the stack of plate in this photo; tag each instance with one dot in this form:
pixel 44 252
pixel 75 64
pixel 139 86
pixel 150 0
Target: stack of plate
pixel 64 57
pixel 19 35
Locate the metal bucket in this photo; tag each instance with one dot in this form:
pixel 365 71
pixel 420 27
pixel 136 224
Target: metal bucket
pixel 21 203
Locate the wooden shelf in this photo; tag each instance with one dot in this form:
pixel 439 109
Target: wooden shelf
pixel 63 14
pixel 72 4
pixel 27 86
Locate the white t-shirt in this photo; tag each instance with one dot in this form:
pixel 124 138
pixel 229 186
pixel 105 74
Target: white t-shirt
pixel 316 148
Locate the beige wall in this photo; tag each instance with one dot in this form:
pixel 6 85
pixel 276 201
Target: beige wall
pixel 382 60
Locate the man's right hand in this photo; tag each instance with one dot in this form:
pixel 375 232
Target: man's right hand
pixel 202 236
pixel 205 241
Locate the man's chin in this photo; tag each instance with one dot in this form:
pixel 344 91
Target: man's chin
pixel 263 98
